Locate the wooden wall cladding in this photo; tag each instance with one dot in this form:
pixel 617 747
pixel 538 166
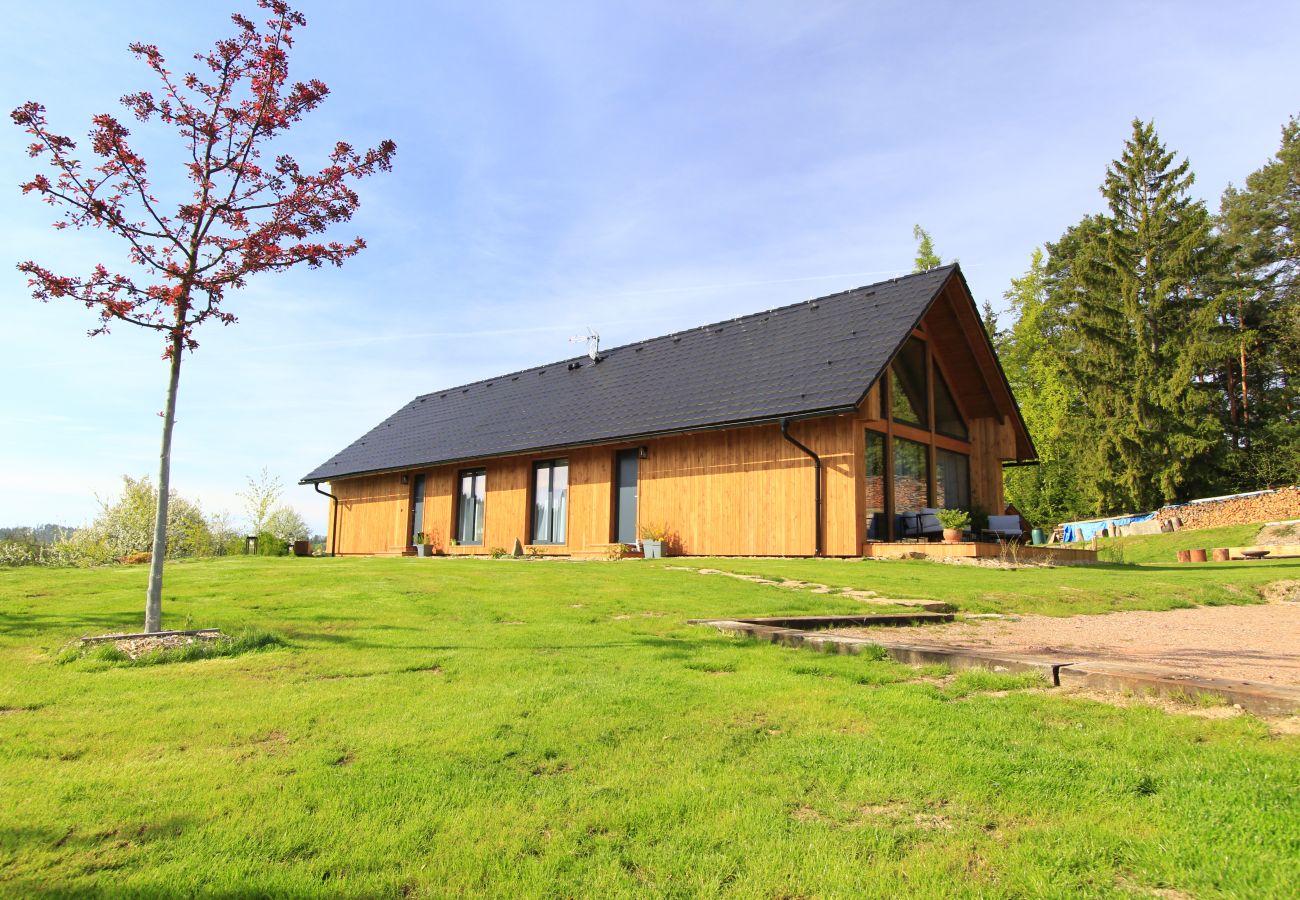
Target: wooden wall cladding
pixel 374 510
pixel 992 441
pixel 756 496
pixel 749 492
pixel 371 515
pixel 743 491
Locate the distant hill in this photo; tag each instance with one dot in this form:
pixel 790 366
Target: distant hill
pixel 44 535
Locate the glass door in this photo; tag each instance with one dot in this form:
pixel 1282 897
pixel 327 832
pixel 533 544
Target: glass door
pixel 626 467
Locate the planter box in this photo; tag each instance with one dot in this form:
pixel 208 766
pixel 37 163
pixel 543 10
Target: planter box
pixel 424 549
pixel 652 549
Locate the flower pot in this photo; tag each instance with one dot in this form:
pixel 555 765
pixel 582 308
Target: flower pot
pixel 1198 555
pixel 652 549
pixel 1184 556
pixel 424 549
pixel 952 535
pixel 1221 554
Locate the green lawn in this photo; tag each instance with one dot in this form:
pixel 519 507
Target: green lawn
pixel 1163 548
pixel 1059 591
pixel 463 727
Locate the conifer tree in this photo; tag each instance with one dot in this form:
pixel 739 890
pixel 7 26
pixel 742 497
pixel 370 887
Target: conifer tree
pixel 926 258
pixel 1142 297
pixel 1261 226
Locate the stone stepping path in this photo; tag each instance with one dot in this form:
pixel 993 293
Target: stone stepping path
pixel 813 587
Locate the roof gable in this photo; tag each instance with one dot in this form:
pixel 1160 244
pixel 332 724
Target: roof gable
pixel 816 357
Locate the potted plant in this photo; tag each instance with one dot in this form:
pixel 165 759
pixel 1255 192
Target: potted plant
pixel 954 522
pixel 422 546
pixel 652 540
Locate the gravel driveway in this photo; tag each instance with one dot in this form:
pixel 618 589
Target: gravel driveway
pixel 1252 643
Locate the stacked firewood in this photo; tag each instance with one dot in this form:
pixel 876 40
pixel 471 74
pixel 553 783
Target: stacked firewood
pixel 1274 506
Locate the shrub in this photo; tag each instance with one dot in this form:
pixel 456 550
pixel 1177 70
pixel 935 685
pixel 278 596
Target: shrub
pixel 656 532
pixel 125 526
pixel 14 553
pixel 954 518
pixel 499 552
pixel 270 545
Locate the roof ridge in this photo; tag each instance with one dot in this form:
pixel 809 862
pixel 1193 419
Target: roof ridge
pixel 672 334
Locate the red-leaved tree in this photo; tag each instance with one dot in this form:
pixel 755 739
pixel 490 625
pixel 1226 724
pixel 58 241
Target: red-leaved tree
pixel 241 213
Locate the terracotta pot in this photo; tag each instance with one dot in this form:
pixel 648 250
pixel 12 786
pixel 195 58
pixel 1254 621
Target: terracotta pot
pixel 1184 556
pixel 952 535
pixel 1220 554
pixel 1198 555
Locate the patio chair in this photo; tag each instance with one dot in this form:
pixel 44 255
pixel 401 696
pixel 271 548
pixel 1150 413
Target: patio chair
pixel 1004 528
pixel 921 525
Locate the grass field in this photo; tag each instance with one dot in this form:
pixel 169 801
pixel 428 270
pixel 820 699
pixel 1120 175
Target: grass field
pixel 464 727
pixel 1060 591
pixel 1163 548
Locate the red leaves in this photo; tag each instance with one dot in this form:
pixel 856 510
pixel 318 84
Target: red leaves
pixel 241 217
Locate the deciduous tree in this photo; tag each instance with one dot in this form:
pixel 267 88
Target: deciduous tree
pixel 245 213
pixel 260 498
pixel 1031 354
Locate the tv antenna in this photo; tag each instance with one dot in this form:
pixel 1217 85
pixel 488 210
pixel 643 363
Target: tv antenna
pixel 593 343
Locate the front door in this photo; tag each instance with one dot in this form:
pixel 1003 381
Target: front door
pixel 625 483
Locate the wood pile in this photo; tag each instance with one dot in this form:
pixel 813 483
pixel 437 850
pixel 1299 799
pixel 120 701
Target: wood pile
pixel 1273 506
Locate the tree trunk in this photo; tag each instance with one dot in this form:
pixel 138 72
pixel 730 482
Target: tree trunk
pixel 153 600
pixel 1245 401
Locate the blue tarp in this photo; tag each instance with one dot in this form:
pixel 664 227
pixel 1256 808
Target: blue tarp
pixel 1082 531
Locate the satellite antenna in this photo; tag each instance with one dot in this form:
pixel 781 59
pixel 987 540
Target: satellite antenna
pixel 593 343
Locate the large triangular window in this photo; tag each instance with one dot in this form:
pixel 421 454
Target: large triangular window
pixel 907 389
pixel 947 420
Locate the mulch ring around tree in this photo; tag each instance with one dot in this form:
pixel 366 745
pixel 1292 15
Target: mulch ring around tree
pixel 135 646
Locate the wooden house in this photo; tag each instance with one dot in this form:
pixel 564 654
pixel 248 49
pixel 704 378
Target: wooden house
pixel 805 430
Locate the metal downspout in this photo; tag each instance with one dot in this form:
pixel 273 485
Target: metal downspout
pixel 334 529
pixel 817 482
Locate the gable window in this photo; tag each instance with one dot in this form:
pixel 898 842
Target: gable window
pixel 550 500
pixel 947 420
pixel 470 501
pixel 907 386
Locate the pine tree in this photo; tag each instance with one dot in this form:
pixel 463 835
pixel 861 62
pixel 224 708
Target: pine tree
pixel 1261 226
pixel 926 258
pixel 1142 292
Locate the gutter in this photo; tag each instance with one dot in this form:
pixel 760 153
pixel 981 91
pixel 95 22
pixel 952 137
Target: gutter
pixel 817 483
pixel 334 529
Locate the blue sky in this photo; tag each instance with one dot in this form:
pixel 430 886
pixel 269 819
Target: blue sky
pixel 636 167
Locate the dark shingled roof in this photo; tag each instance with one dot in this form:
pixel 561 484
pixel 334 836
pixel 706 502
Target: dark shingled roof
pixel 819 356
